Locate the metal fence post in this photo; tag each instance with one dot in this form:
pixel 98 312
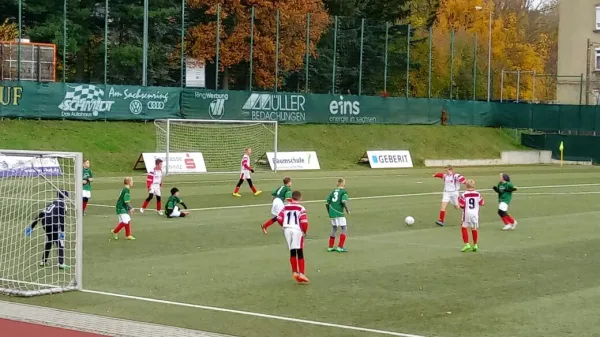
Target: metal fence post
pixel 360 66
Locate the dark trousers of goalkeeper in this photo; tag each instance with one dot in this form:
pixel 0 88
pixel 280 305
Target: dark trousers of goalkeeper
pixel 53 237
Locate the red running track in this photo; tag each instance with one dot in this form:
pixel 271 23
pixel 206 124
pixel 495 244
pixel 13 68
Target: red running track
pixel 10 328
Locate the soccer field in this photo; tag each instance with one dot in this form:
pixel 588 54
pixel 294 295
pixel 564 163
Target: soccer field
pixel 539 280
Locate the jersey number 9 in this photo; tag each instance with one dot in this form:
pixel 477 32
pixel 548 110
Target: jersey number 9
pixel 471 203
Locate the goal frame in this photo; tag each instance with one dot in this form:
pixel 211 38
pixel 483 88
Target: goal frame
pixel 77 283
pixel 216 121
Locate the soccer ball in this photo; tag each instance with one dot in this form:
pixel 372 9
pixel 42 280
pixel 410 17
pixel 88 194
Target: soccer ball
pixel 409 220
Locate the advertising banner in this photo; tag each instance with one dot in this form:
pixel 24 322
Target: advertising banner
pixel 11 166
pixel 390 159
pixel 292 161
pixel 179 162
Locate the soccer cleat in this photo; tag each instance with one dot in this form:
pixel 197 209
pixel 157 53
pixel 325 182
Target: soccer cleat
pixel 331 249
pixel 130 237
pixel 440 223
pixel 42 264
pixel 160 213
pixel 257 192
pixel 466 248
pixel 237 195
pixel 64 266
pixel 115 235
pixel 295 276
pixel 302 278
pixel 341 250
pixel 264 230
pixel 475 248
pixel 513 225
pixel 142 210
pixel 507 227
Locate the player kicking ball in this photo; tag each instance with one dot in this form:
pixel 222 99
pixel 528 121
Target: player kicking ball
pixel 88 177
pixel 295 226
pixel 337 203
pixel 154 185
pixel 452 183
pixel 245 174
pixel 505 190
pixel 172 208
pixel 53 221
pixel 280 195
pixel 470 201
pixel 124 210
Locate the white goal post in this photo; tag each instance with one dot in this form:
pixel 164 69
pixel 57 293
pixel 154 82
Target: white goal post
pixel 44 256
pixel 221 142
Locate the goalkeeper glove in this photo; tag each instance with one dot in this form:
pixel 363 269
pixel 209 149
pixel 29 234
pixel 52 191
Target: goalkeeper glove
pixel 61 236
pixel 252 170
pixel 28 231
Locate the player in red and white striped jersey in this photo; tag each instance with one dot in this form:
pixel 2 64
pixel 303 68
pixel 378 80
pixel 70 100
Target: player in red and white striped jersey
pixel 154 185
pixel 246 169
pixel 470 201
pixel 452 183
pixel 295 225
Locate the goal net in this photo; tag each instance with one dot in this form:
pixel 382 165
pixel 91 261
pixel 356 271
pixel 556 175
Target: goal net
pixel 220 142
pixel 40 257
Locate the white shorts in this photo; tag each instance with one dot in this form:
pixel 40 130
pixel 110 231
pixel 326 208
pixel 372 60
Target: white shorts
pixel 503 206
pixel 86 194
pixel 277 206
pixel 338 222
pixel 155 189
pixel 451 197
pixel 176 212
pixel 471 221
pixel 294 238
pixel 124 218
pixel 245 175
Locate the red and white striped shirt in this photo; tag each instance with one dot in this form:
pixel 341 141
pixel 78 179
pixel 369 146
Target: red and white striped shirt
pixel 470 201
pixel 293 215
pixel 245 165
pixel 154 177
pixel 452 181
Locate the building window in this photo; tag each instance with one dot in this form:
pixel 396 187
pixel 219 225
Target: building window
pixel 596 93
pixel 598 17
pixel 597 58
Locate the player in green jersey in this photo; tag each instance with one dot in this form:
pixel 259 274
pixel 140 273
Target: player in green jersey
pixel 505 190
pixel 280 195
pixel 124 210
pixel 172 207
pixel 87 183
pixel 337 203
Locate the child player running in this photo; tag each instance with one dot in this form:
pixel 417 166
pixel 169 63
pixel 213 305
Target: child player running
pixel 245 174
pixel 337 203
pixel 295 225
pixel 154 186
pixel 124 211
pixel 452 183
pixel 505 189
pixel 470 201
pixel 281 194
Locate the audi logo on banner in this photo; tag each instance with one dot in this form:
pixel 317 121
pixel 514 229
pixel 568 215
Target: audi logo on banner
pixel 155 105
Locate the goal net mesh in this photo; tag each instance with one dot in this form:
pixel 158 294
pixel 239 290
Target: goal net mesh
pixel 29 184
pixel 221 143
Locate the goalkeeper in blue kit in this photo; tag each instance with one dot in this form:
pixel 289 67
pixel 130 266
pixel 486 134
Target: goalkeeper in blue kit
pixel 53 221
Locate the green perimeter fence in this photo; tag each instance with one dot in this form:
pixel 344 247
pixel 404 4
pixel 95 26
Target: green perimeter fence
pixel 231 46
pixel 111 102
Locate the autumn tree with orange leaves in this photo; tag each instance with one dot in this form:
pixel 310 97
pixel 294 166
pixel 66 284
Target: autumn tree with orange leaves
pixel 234 33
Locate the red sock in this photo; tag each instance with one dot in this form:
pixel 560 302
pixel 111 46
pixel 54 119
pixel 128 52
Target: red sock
pixel 84 205
pixel 331 241
pixel 342 240
pixel 158 206
pixel 510 219
pixel 301 265
pixel 465 235
pixel 294 263
pixel 128 229
pixel 505 220
pixel 118 228
pixel 442 215
pixel 475 235
pixel 237 189
pixel 253 188
pixel 145 204
pixel 268 223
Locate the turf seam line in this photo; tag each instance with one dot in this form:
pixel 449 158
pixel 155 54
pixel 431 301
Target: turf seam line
pixel 362 198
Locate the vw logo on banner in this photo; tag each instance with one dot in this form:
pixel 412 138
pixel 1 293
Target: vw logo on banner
pixel 136 107
pixel 156 105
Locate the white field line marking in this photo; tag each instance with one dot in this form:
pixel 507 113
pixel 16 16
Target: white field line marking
pixel 254 314
pixel 373 197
